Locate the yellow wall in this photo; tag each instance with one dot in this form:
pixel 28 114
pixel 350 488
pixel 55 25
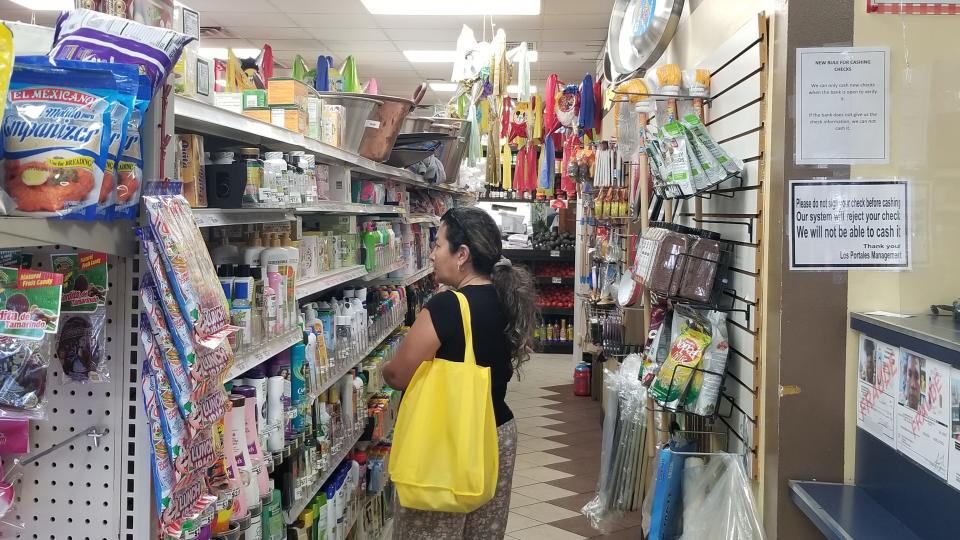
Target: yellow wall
pixel 924 119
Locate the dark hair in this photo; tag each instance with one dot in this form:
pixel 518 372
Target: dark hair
pixel 474 228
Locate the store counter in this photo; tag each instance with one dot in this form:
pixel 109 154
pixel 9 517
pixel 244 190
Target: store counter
pixel 845 512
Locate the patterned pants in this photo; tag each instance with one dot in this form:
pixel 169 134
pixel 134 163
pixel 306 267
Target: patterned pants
pixel 489 522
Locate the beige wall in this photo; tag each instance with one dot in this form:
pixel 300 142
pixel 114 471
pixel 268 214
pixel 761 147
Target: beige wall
pixel 925 116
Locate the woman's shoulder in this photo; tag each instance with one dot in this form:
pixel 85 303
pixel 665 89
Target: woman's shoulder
pixel 441 301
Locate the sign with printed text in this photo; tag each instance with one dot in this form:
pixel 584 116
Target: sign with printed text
pixel 923 411
pixel 955 428
pixel 849 224
pixel 876 389
pixel 842 105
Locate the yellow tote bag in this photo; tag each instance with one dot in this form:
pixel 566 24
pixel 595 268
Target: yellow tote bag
pixel 444 455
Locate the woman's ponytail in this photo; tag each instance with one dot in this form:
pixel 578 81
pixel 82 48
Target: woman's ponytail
pixel 518 296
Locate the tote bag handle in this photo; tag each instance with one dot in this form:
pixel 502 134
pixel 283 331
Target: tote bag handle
pixel 468 355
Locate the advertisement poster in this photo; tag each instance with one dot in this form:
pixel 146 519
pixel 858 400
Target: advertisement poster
pixel 837 224
pixel 923 411
pixel 877 383
pixel 842 105
pixel 955 428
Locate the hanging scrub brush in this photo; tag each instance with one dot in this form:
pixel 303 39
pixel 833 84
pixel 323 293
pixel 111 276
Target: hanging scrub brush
pixel 668 75
pixel 697 82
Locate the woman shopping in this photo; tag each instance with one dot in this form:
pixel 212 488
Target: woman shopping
pixel 497 300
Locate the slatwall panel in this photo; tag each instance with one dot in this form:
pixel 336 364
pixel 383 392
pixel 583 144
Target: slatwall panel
pixel 735 119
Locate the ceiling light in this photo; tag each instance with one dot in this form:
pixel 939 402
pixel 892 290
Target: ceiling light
pixel 220 52
pixel 452 7
pixel 443 86
pixel 46 5
pixel 513 89
pixel 448 57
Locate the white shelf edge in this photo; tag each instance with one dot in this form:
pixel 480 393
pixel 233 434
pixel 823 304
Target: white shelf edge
pixel 405 280
pixel 350 208
pixel 225 217
pixel 245 361
pixel 328 280
pixel 113 238
pixel 422 218
pixel 373 276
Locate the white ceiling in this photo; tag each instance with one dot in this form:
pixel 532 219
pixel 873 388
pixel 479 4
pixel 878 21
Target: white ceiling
pixel 569 36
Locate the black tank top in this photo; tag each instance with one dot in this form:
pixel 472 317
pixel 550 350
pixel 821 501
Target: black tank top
pixel 490 345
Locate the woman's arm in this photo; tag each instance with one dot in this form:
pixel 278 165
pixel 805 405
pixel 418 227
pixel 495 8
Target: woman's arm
pixel 420 344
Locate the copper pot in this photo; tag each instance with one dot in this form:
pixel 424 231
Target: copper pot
pixel 384 124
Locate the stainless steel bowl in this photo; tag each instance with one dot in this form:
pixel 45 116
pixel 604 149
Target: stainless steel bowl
pixel 356 111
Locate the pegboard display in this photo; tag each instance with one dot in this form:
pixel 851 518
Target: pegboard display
pixel 81 490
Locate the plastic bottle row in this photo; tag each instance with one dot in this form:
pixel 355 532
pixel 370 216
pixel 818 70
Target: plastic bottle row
pixel 554 329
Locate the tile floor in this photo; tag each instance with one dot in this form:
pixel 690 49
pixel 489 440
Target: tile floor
pixel 558 456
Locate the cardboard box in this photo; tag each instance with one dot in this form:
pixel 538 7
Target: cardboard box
pixel 287 92
pixel 231 101
pixel 254 99
pixel 190 169
pixel 262 114
pixel 292 118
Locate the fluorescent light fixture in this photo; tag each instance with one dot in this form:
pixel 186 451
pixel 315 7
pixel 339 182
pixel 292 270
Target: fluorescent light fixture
pixel 448 57
pixel 513 89
pixel 220 52
pixel 46 5
pixel 443 86
pixel 452 7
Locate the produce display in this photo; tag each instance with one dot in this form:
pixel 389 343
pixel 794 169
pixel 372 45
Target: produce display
pixel 561 270
pixel 555 297
pixel 552 240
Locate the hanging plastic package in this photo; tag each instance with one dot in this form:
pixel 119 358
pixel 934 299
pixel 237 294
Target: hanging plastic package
pixel 29 319
pixel 521 55
pixel 586 114
pixel 550 122
pixel 265 62
pixel 300 71
pixel 705 387
pixel 464 67
pixel 6 63
pixel 128 82
pixel 56 140
pixel 690 341
pixel 505 159
pixel 548 162
pixel 720 504
pixel 90 36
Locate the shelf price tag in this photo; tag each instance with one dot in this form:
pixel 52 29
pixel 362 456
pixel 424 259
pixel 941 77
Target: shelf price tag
pixel 555 253
pixel 556 280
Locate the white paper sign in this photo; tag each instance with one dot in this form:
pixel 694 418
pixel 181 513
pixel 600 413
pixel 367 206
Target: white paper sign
pixel 842 105
pixel 923 411
pixel 877 383
pixel 849 224
pixel 955 428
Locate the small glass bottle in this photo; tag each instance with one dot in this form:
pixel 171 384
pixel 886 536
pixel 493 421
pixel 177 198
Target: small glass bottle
pixel 254 180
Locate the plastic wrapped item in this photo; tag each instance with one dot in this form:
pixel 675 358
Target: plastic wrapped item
pixel 56 140
pixel 6 63
pixel 23 376
pixel 690 341
pixel 95 37
pixel 706 385
pixel 667 509
pixel 82 347
pixel 697 279
pixel 621 457
pixel 718 501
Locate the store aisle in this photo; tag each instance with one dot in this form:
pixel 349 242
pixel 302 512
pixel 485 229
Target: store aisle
pixel 558 457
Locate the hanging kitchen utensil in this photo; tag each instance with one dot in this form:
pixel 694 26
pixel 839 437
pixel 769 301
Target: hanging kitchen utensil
pixel 638 34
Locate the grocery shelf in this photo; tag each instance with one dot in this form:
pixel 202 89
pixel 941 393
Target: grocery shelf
pixel 373 276
pixel 540 254
pixel 554 347
pixel 422 218
pixel 306 497
pixel 328 280
pixel 113 238
pixel 271 347
pixel 556 311
pixel 554 280
pixel 290 516
pixel 224 217
pixel 336 207
pixel 405 280
pixel 195 116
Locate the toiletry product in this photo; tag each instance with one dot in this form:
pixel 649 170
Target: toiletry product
pixel 254 450
pixel 280 366
pixel 242 305
pixel 298 395
pixel 250 490
pixel 275 413
pixel 277 258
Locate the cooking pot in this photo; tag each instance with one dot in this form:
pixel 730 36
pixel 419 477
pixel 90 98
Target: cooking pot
pixel 357 108
pixel 384 124
pixel 451 152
